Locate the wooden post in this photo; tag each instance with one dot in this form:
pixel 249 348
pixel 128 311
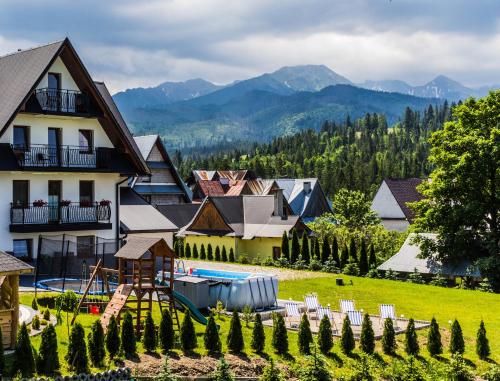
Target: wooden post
pixel 14 280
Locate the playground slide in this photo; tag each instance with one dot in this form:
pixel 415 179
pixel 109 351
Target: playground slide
pixel 186 303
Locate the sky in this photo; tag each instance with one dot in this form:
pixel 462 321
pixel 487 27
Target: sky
pixel 141 43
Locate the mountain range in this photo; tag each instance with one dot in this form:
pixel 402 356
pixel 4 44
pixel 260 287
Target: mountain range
pixel 199 113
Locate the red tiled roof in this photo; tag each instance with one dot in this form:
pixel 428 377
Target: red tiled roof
pixel 405 191
pixel 210 188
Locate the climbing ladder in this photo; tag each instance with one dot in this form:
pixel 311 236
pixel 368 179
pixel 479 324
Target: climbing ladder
pixel 166 300
pixel 116 304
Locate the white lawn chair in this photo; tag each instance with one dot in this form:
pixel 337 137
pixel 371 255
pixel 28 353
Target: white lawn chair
pixel 312 304
pixel 356 318
pixel 346 306
pixel 326 311
pixel 292 311
pixel 388 311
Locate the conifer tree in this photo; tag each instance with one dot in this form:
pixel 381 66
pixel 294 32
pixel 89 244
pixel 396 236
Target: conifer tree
pixel 258 334
pixel 482 343
pixel 325 338
pixel 305 338
pixel 285 246
pixel 128 339
pixel 347 343
pixel 76 357
pixel 211 338
pixel 235 342
pixel 389 338
pixel 457 344
pixel 367 339
pixel 372 259
pixel 210 253
pixel 280 335
pixel 176 248
pixel 363 259
pixel 187 251
pixel 344 257
pixel 112 338
pixel 294 255
pixel 188 334
pixel 222 372
pixel 217 253
pixel 203 253
pixel 271 373
pixel 224 254
pixel 304 249
pixel 166 334
pixel 2 358
pixel 181 249
pixel 195 251
pixel 411 340
pixel 317 249
pixel 434 345
pixel 232 258
pixel 48 357
pixel 353 254
pixel 335 251
pixel 95 340
pixel 325 250
pixel 149 337
pixel 24 360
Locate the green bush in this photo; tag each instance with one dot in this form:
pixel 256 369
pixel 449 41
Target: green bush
pixel 235 343
pixel 187 251
pixel 76 357
pixel 367 339
pixel 35 323
pixel 243 259
pixel 222 373
pixel 48 357
pixel 458 370
pixel 95 341
pixel 112 337
pixel 46 314
pixel 295 249
pixel 353 253
pixel 34 304
pixel 258 334
pixel 372 259
pixel 325 338
pixel 217 254
pixel 434 345
pixel 411 340
pixel 195 251
pixel 493 373
pixel 315 264
pixel 457 344
pixel 166 373
pixel 372 273
pixel 314 370
pixel 271 373
pixel 335 252
pixel 128 339
pixel 224 254
pixel 203 254
pixel 415 277
pixel 347 343
pixel 24 359
pixel 389 338
pixel 210 253
pixel 285 245
pixel 280 335
pixel 391 275
pixel 362 371
pixel 305 338
pixel 351 269
pixel 485 286
pixel 149 337
pixel 438 280
pixel 407 370
pixel 231 255
pixel 325 250
pixel 47 301
pixel 304 249
pixel 247 315
pixel 166 334
pixel 188 334
pixel 211 338
pixel 482 343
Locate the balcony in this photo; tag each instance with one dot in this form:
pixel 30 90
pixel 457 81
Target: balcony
pixel 61 102
pixel 43 217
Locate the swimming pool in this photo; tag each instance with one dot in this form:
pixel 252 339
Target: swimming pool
pixel 73 284
pixel 220 274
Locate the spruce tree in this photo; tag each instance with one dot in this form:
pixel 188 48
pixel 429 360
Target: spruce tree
pixel 203 254
pixel 280 335
pixel 325 338
pixel 128 339
pixel 482 343
pixel 222 372
pixel 24 360
pixel 389 338
pixel 317 250
pixel 181 250
pixel 372 259
pixel 347 343
pixel 176 248
pixel 188 334
pixel 235 342
pixel 166 334
pixel 411 340
pixel 305 338
pixel 325 250
pixel 187 251
pixel 367 339
pixel 335 251
pixel 271 373
pixel 210 253
pixel 363 259
pixel 211 338
pixel 258 334
pixel 76 357
pixel 344 257
pixel 294 255
pixel 434 345
pixel 195 251
pixel 112 338
pixel 224 254
pixel 48 357
pixel 285 246
pixel 457 344
pixel 304 249
pixel 353 254
pixel 95 340
pixel 217 253
pixel 2 358
pixel 232 258
pixel 149 337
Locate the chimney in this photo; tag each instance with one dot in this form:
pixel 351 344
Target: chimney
pixel 278 204
pixel 307 187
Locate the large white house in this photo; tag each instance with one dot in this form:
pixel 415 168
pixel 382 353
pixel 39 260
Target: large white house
pixel 64 152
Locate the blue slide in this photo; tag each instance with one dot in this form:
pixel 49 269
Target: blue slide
pixel 186 303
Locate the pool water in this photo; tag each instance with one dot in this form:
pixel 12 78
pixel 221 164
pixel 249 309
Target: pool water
pixel 220 274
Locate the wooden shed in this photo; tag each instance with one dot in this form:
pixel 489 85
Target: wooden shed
pixel 10 269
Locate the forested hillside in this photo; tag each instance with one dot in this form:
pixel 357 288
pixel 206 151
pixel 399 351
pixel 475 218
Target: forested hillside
pixel 353 154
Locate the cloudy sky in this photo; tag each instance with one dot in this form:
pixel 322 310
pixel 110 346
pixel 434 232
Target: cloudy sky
pixel 130 43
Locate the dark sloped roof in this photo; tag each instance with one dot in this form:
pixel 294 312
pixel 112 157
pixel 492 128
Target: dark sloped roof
pixel 179 214
pixel 10 264
pixel 145 144
pixel 404 191
pixel 210 188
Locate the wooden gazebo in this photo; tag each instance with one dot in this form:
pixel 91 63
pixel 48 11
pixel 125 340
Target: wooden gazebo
pixel 10 269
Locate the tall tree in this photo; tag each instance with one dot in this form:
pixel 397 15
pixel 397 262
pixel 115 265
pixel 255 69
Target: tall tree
pixel 235 341
pixel 166 331
pixel 347 343
pixel 353 254
pixel 211 337
pixel 112 337
pixel 353 209
pixel 389 338
pixel 285 246
pixel 411 340
pixel 434 345
pixel 363 258
pixel 305 248
pixel 457 344
pixel 344 257
pixel 482 343
pixel 372 260
pixel 325 250
pixel 295 247
pixel 258 334
pixel 367 339
pixel 48 356
pixel 127 336
pixel 76 356
pixel 95 341
pixel 317 250
pixel 304 335
pixel 335 251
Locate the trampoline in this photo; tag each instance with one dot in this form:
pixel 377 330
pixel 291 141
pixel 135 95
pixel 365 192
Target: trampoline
pixel 74 284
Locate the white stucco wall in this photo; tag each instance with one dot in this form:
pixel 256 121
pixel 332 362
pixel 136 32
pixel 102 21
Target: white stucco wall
pixel 67 82
pixel 385 205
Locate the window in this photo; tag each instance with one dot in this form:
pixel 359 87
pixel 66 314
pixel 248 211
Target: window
pixel 21 138
pixel 22 249
pixel 54 81
pixel 276 252
pixel 86 141
pixel 20 192
pixel 86 193
pixel 85 246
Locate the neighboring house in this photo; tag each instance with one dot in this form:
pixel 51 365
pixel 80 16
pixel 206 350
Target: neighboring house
pixel 391 202
pixel 205 188
pixel 164 186
pixel 407 260
pixel 64 151
pixel 180 215
pixel 250 225
pixel 226 178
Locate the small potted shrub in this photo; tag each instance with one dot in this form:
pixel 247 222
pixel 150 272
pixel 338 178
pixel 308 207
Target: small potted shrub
pixel 85 203
pixel 65 203
pixel 105 203
pixel 39 203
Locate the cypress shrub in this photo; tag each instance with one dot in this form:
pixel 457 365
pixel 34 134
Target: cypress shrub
pixel 305 338
pixel 195 251
pixel 335 251
pixel 181 249
pixel 235 342
pixel 222 372
pixel 167 334
pixel 317 250
pixel 367 339
pixel 128 335
pixel 457 344
pixel 187 251
pixel 347 343
pixel 285 246
pixel 325 250
pixel 258 334
pixel 203 254
pixel 217 254
pixel 176 249
pixel 363 259
pixel 165 373
pixel 294 255
pixel 112 338
pixel 211 338
pixel 325 338
pixel 280 335
pixel 482 343
pixel 271 373
pixel 95 341
pixel 389 338
pixel 34 304
pixel 2 358
pixel 434 346
pixel 344 257
pixel 224 254
pixel 304 249
pixel 411 341
pixel 149 338
pixel 231 255
pixel 210 253
pixel 77 350
pixel 353 251
pixel 372 259
pixel 188 334
pixel 24 360
pixel 48 357
pixel 46 314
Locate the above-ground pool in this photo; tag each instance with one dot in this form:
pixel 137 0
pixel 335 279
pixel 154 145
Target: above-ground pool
pixel 76 285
